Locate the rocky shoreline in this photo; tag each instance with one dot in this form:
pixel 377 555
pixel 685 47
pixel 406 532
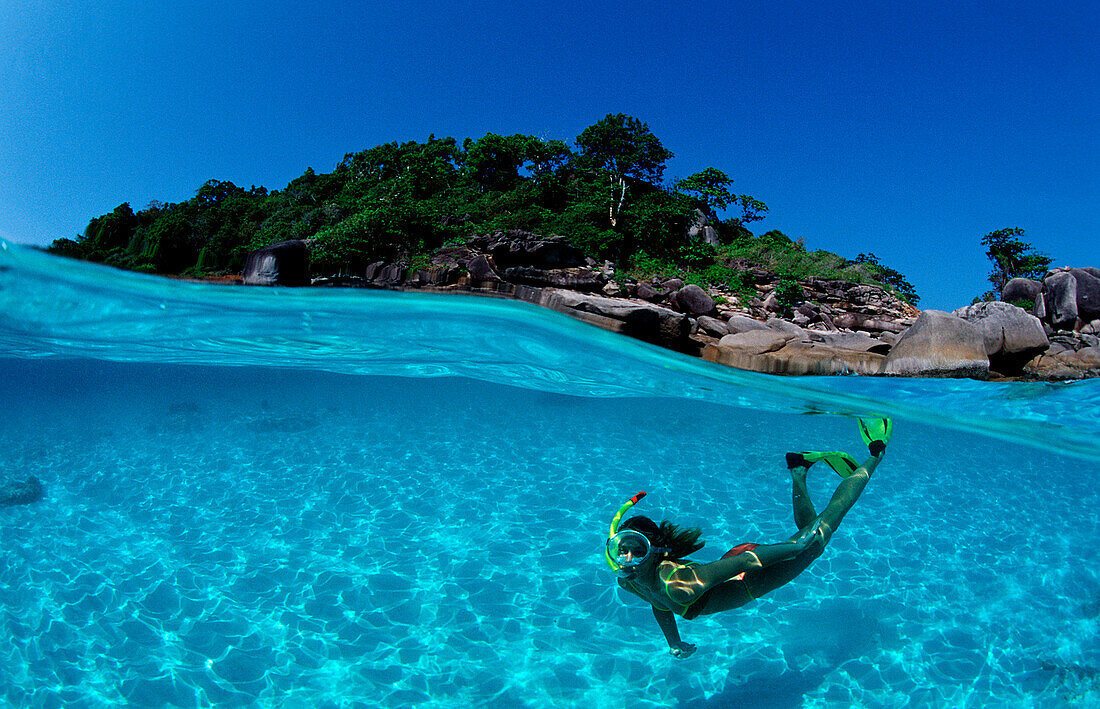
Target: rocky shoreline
pixel 836 327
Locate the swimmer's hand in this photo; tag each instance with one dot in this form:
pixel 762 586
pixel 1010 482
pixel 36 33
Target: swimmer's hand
pixel 681 651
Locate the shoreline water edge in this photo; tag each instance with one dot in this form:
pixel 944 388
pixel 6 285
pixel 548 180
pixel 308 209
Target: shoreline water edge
pixel 832 327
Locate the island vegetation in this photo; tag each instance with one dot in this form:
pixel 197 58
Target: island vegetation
pixel 606 193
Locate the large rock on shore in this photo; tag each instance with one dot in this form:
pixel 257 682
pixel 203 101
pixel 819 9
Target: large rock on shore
pixel 712 326
pixel 693 300
pixel 630 317
pixel 754 342
pixel 866 323
pixel 522 248
pixel 773 353
pixel 1065 364
pixel 1070 297
pixel 282 264
pixel 842 327
pixel 575 278
pixel 742 323
pixel 1012 336
pixel 1019 289
pixel 939 345
pixel 1088 293
pixel 856 341
pixel 1060 299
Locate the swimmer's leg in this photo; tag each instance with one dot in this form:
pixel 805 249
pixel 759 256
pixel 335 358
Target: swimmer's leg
pixel 847 492
pixel 804 512
pixel 761 581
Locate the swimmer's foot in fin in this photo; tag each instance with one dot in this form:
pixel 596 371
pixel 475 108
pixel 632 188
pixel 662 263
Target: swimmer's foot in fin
pixel 839 461
pixel 797 460
pixel 876 433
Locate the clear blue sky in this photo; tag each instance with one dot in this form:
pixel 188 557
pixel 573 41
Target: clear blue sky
pixel 906 129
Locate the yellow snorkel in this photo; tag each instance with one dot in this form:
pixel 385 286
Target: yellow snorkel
pixel 615 527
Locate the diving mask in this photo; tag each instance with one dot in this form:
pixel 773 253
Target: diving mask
pixel 628 550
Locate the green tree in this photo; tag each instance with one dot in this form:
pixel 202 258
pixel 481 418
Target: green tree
pixel 167 245
pixel 656 222
pixel 711 188
pixel 1012 258
pixel 621 150
pixel 400 230
pixel 752 209
pixel 788 294
pixel 110 231
pixel 888 276
pixel 494 161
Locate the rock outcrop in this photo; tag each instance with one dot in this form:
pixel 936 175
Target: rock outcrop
pixel 1021 289
pixel 282 264
pixel 939 345
pixel 839 327
pixel 1072 355
pixel 638 319
pixel 1065 365
pixel 760 354
pixel 693 300
pixel 1066 298
pixel 522 248
pixel 1012 336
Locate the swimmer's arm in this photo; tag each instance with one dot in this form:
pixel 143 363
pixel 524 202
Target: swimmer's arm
pixel 667 620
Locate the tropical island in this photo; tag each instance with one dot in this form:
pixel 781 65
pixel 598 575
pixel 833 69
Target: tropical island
pixel 593 230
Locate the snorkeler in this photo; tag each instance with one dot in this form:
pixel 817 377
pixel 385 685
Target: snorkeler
pixel 650 558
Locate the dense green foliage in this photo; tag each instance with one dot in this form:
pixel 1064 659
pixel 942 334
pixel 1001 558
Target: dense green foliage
pixel 399 201
pixel 889 277
pixel 787 295
pixel 1012 258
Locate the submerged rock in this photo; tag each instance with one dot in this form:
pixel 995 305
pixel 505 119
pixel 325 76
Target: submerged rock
pixel 14 491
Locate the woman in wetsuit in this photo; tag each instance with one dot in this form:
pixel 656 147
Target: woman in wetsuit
pixel 649 558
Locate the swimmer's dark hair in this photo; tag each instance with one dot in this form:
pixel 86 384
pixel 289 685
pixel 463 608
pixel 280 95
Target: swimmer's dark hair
pixel 681 541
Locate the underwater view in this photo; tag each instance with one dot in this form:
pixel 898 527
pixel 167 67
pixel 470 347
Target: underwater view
pixel 340 498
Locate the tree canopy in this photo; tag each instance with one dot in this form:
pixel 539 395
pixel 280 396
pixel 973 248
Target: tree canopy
pixel 1012 258
pixel 398 201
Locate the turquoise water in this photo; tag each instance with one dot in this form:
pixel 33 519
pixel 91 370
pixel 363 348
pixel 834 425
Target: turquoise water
pixel 343 498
